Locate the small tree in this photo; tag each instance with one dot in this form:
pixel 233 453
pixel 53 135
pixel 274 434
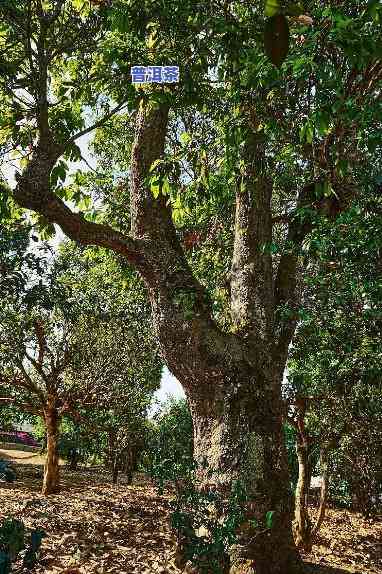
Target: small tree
pixel 64 355
pixel 335 363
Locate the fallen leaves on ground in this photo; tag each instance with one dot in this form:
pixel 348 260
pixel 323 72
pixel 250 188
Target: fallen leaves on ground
pixel 350 542
pixel 94 527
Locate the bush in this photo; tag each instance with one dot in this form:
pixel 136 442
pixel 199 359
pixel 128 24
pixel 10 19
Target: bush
pixel 13 541
pixel 7 473
pixel 206 525
pixel 169 453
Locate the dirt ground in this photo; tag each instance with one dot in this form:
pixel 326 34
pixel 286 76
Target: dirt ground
pixel 95 528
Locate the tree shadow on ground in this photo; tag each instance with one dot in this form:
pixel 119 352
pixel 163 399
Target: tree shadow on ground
pixel 323 569
pixel 29 478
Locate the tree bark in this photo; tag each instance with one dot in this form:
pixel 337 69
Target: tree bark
pixel 115 469
pixel 302 524
pixel 51 483
pixel 129 464
pixel 113 456
pixel 239 432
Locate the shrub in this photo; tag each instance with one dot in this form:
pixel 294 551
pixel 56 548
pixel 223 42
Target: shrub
pixel 7 473
pixel 169 453
pixel 206 524
pixel 13 541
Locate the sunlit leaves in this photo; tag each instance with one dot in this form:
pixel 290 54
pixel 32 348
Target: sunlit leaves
pixel 58 173
pixel 272 7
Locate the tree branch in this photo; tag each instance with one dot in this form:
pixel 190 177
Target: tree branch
pixel 96 124
pixel 33 192
pixel 27 383
pixel 22 406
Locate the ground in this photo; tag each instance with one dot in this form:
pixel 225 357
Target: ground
pixel 95 528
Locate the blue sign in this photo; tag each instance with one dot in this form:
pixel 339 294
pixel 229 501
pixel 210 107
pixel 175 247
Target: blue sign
pixel 154 74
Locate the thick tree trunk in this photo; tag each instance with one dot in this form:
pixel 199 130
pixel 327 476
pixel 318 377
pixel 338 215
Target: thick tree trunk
pixel 240 436
pixel 302 524
pixel 51 483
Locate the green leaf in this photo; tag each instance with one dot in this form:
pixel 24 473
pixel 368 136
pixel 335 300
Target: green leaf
pixel 272 7
pixel 307 132
pixel 58 173
pixel 276 39
pixel 155 164
pixel 165 186
pixel 295 9
pixel 269 518
pixel 185 138
pixel 85 203
pixel 323 124
pixel 155 190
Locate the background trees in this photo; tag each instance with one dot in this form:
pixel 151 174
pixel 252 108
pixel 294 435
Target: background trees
pixel 168 455
pixel 68 351
pixel 334 367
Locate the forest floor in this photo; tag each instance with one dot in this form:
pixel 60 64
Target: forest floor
pixel 94 527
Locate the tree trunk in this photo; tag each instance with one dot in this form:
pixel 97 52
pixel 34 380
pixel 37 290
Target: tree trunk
pixel 114 456
pixel 238 425
pixel 115 469
pixel 130 455
pixel 324 469
pixel 51 483
pixel 73 459
pixel 302 524
pixel 240 436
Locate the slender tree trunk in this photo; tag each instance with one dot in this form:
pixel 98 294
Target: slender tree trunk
pixel 130 462
pixel 73 459
pixel 51 483
pixel 324 468
pixel 115 469
pixel 113 456
pixel 309 471
pixel 239 434
pixel 302 524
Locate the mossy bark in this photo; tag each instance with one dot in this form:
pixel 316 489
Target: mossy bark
pixel 240 435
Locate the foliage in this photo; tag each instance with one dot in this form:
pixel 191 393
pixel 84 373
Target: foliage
pixel 87 340
pixel 7 472
pixel 169 453
pixel 207 524
pixel 290 445
pixel 13 540
pixel 336 358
